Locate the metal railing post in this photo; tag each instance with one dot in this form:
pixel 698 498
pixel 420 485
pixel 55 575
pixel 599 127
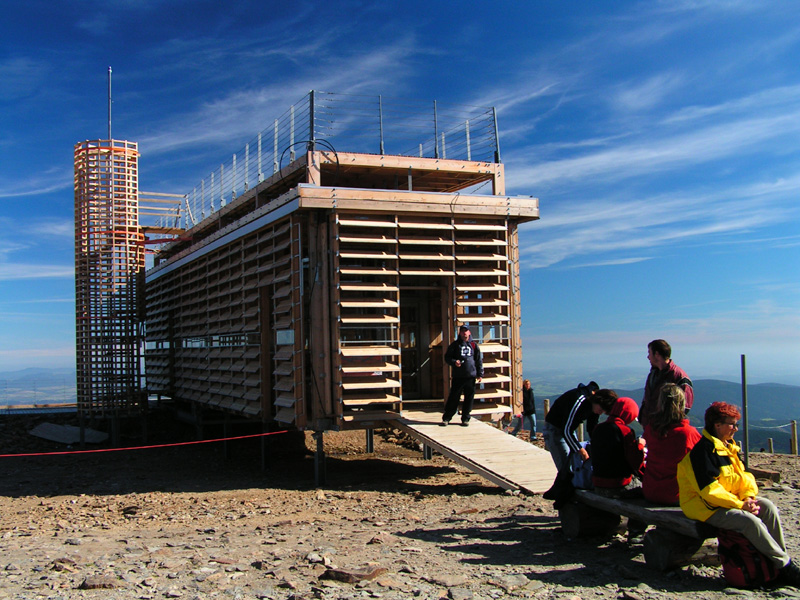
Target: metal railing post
pixel 496 137
pixel 435 132
pixel 311 133
pixel 380 120
pixel 291 134
pixel 469 148
pixel 275 149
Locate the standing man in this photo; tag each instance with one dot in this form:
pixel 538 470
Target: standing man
pixel 663 370
pixel 464 356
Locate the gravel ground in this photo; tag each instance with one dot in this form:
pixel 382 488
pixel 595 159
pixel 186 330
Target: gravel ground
pixel 198 522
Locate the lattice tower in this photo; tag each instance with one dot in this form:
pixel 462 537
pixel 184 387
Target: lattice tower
pixel 109 259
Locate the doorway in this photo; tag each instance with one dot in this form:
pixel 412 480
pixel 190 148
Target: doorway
pixel 421 351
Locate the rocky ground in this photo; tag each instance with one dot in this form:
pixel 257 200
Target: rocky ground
pixel 190 522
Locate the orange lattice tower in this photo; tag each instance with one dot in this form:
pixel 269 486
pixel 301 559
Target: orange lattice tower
pixel 109 258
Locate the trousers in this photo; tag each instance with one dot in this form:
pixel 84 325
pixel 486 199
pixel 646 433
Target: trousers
pixel 555 442
pixel 763 530
pixel 461 385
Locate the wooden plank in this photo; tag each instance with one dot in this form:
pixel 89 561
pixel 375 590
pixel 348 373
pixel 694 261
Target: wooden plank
pixel 371 255
pixel 671 517
pixel 370 368
pixel 368 287
pixel 370 303
pixel 67 434
pixel 388 161
pixel 381 319
pixel 369 351
pixel 426 225
pixel 371 222
pixel 505 460
pixel 376 383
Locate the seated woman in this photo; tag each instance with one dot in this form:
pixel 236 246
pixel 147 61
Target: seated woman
pixel 715 488
pixel 669 437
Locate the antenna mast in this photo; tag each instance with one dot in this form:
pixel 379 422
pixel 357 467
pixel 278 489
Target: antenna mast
pixel 109 103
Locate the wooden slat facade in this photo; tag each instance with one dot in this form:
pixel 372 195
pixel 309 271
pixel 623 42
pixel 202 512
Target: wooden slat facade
pixel 322 306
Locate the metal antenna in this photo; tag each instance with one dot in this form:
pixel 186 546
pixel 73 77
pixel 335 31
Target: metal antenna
pixel 109 103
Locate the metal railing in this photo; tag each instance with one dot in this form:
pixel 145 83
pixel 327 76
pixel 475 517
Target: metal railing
pixel 346 123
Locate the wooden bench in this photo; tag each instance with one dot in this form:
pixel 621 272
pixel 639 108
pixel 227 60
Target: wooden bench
pixel 673 541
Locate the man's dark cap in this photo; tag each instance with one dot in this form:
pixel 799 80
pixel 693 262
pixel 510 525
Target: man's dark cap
pixel 463 328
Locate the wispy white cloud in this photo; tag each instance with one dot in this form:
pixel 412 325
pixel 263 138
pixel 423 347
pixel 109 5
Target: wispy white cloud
pixel 21 76
pixel 51 227
pixel 612 225
pixel 19 271
pixel 37 183
pixel 644 95
pixel 655 155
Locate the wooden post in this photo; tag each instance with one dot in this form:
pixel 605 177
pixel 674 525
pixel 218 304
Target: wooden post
pixel 580 432
pixel 745 428
pixel 770 446
pixel 370 440
pixel 664 549
pixel 546 405
pixel 581 520
pixel 794 439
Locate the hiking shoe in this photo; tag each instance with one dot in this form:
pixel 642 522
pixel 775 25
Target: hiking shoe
pixel 444 423
pixel 790 574
pixel 465 423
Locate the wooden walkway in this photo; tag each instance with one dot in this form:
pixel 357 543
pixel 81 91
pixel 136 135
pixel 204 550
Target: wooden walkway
pixel 490 452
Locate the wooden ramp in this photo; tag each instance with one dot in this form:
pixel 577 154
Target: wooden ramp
pixel 490 452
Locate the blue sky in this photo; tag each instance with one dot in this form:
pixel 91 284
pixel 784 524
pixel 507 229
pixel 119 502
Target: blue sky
pixel 662 139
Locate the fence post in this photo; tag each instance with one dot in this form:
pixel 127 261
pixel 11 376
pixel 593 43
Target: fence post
pixel 770 446
pixel 546 405
pixel 793 446
pixel 745 420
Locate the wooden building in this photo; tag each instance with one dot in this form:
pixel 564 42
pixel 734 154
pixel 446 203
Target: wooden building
pixel 325 296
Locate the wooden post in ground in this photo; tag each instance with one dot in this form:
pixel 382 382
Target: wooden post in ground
pixel 664 549
pixel 546 405
pixel 794 438
pixel 770 446
pixel 581 520
pixel 370 440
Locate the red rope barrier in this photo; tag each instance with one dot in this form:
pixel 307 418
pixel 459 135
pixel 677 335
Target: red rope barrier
pixel 240 437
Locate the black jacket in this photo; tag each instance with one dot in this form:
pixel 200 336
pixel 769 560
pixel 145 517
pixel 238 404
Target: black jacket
pixel 470 356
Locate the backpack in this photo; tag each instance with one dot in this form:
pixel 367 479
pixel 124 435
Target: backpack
pixel 742 565
pixel 582 469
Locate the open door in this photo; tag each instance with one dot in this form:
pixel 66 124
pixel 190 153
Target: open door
pixel 420 343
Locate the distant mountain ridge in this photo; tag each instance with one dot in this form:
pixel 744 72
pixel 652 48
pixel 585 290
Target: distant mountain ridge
pixel 774 402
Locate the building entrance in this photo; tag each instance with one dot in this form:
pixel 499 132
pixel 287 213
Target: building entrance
pixel 421 343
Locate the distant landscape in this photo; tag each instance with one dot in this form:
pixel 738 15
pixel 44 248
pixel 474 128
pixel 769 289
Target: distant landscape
pixel 771 406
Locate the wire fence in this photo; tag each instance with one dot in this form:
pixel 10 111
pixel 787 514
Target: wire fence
pixel 37 394
pixel 344 123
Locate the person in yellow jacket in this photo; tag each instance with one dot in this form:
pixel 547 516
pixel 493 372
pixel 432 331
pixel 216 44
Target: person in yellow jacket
pixel 715 488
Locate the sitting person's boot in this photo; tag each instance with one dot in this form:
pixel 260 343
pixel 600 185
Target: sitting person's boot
pixel 790 574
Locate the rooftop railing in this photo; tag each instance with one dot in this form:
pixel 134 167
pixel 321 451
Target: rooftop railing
pixel 346 123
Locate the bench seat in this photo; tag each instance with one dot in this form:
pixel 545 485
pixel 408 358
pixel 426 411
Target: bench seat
pixel 673 541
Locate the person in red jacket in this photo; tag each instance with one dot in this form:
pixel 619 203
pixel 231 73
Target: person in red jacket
pixel 618 459
pixel 669 438
pixel 617 453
